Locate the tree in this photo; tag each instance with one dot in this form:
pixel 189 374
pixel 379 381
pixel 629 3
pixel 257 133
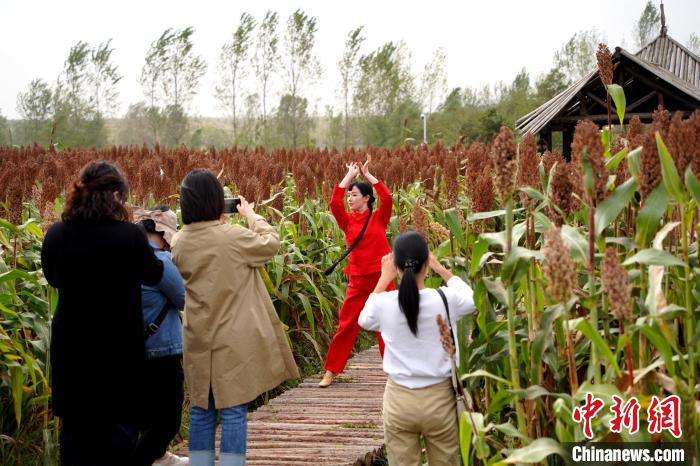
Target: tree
pixel 384 95
pixel 35 106
pixel 231 66
pixel 491 123
pixel 85 89
pixel 250 134
pixel 175 125
pixel 265 61
pixel 181 68
pixel 149 78
pixel 299 63
pixel 331 129
pixel 694 43
pixel 152 69
pixel 647 26
pixel 170 78
pixel 134 127
pixel 453 101
pixel 207 135
pixel 349 72
pixel 400 125
pixel 385 80
pixel 74 81
pixel 516 99
pixel 103 76
pixel 292 119
pixel 5 133
pixel 434 81
pixel 90 79
pixel 549 85
pixel 577 56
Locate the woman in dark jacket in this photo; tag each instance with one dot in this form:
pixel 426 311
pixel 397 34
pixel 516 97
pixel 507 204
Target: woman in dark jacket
pixel 98 261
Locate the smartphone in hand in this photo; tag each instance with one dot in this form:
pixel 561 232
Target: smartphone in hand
pixel 231 205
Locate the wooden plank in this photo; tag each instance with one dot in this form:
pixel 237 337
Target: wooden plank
pixel 602 118
pixel 639 102
pixel 338 425
pixel 671 61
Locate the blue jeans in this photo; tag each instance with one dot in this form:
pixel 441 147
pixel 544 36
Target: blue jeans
pixel 234 432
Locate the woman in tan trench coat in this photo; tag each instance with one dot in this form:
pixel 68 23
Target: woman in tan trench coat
pixel 234 344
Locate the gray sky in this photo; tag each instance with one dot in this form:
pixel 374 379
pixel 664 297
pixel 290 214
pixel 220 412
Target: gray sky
pixel 485 41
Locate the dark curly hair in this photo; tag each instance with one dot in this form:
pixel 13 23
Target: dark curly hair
pixel 92 196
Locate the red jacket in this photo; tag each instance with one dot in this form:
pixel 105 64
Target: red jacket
pixel 366 258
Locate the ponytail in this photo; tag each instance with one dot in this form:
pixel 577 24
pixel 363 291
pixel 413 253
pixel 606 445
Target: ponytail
pixel 410 255
pixel 409 298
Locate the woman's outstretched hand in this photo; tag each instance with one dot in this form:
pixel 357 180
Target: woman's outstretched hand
pixel 365 170
pixel 365 166
pixel 353 170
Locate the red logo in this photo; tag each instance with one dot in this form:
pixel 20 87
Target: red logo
pixel 662 415
pixel 586 412
pixel 625 415
pixel 665 415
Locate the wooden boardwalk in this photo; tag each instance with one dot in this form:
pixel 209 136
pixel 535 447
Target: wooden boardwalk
pixel 338 425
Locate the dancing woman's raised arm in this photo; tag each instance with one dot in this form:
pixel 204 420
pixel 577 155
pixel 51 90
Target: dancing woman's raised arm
pixel 336 204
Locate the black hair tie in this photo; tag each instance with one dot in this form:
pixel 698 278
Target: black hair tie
pixel 410 263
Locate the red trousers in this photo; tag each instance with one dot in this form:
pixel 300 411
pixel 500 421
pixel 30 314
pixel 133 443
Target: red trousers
pixel 359 289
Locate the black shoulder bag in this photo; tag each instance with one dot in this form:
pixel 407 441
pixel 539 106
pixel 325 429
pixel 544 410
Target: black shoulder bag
pixel 352 246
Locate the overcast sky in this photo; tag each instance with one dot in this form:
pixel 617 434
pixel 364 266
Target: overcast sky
pixel 485 41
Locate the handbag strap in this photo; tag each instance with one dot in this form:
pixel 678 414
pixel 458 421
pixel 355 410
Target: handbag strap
pixel 447 309
pixel 459 389
pixel 155 325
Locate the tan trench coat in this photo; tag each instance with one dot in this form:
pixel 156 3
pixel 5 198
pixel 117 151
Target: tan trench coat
pixel 233 338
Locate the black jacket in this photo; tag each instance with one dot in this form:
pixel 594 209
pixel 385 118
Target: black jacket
pixel 97 341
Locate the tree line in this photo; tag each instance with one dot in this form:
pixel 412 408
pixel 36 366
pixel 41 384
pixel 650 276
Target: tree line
pixel 264 73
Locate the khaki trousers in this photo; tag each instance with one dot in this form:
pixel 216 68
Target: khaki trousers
pixel 410 413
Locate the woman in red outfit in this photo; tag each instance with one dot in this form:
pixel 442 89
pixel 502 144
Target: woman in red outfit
pixel 365 232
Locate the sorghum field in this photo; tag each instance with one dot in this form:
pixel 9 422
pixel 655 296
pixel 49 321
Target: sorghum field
pixel 585 272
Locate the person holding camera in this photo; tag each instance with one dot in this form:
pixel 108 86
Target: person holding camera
pixel 418 398
pixel 97 260
pixel 365 232
pixel 235 347
pixel 163 390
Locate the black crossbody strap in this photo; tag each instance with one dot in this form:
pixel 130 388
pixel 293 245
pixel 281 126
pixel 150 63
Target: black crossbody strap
pixel 459 389
pixel 330 269
pixel 155 325
pixel 447 309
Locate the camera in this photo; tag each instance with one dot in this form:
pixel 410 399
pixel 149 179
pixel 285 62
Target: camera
pixel 231 205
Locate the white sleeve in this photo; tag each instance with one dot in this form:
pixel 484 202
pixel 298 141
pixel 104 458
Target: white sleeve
pixel 369 319
pixel 461 298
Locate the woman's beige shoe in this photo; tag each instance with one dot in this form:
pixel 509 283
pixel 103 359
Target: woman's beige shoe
pixel 327 379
